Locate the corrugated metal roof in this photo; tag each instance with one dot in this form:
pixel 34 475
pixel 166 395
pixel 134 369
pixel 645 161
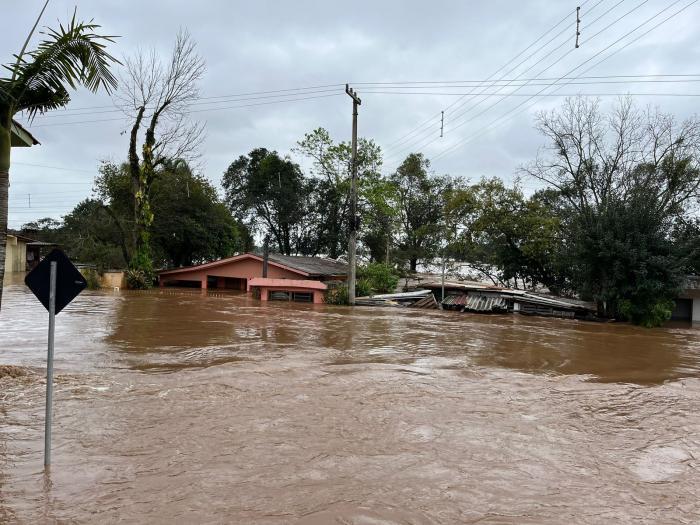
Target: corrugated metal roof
pixel 454 300
pixel 485 303
pixel 477 302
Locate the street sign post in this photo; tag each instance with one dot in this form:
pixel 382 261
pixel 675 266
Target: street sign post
pixel 55 282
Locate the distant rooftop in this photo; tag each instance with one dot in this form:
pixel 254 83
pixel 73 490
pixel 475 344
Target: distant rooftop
pixel 20 136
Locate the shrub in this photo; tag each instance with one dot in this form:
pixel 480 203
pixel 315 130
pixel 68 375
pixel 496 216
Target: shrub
pixel 92 278
pixel 138 279
pixel 379 278
pixel 648 314
pixel 339 294
pixel 363 288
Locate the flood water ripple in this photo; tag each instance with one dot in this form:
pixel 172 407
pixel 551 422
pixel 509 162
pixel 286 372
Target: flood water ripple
pixel 187 407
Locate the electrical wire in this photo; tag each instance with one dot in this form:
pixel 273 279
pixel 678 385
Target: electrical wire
pixel 481 130
pixel 194 111
pixel 564 42
pixel 537 94
pixel 431 119
pixel 505 96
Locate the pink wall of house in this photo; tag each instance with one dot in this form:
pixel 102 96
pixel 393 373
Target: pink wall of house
pixel 269 285
pixel 265 293
pixel 241 267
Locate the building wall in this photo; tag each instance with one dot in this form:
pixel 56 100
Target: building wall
pixel 696 310
pixel 15 255
pixel 112 280
pixel 241 269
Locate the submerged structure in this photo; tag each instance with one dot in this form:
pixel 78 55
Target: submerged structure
pixel 485 298
pixel 271 277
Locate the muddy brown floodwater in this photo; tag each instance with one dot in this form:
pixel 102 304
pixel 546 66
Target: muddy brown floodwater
pixel 190 408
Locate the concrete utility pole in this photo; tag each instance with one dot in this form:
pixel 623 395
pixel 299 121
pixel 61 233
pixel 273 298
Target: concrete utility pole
pixel 352 243
pixel 578 24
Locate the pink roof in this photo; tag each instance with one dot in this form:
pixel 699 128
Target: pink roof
pixel 286 283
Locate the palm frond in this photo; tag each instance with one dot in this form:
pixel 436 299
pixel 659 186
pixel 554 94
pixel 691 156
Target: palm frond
pixel 69 56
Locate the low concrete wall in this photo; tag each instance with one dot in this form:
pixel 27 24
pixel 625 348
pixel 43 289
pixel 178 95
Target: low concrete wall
pixel 113 279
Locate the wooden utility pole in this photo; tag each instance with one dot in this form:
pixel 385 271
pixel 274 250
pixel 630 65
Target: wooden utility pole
pixel 352 242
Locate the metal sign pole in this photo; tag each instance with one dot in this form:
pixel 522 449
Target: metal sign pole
pixel 49 365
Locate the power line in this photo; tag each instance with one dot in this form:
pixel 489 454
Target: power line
pixel 560 45
pixel 543 95
pixel 419 89
pixel 422 125
pixel 385 85
pixel 119 110
pixel 51 167
pixel 192 111
pixel 480 131
pixel 518 79
pixel 19 182
pixel 289 91
pixel 454 127
pixel 565 42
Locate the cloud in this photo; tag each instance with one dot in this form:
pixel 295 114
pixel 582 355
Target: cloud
pixel 265 46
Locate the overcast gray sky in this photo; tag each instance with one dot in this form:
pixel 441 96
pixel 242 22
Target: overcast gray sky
pixel 274 45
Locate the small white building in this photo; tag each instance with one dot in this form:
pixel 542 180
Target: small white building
pixel 688 303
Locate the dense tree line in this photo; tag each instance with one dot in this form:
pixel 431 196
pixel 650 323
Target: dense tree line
pixel 613 221
pixel 190 224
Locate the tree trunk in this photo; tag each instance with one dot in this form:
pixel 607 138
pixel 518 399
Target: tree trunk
pixel 135 172
pixel 414 264
pixel 5 144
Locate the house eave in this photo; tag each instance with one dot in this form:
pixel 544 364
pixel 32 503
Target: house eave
pixel 20 136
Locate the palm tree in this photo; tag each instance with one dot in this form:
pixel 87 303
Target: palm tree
pixel 38 81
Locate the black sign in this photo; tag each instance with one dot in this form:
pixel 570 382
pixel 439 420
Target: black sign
pixel 69 281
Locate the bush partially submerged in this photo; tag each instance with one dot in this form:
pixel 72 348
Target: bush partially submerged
pixel 137 279
pixel 650 313
pixel 338 294
pixel 92 278
pixel 379 278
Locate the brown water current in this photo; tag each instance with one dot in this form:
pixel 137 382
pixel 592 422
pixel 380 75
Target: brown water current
pixel 183 407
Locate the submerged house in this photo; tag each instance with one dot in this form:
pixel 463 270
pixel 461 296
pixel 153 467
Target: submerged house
pixel 18 256
pixel 277 277
pixel 22 254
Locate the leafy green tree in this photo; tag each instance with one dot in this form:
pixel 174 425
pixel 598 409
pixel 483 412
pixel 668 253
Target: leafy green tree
pixel 378 199
pixel 191 224
pixel 330 199
pixel 268 191
pixel 685 237
pixel 420 210
pixel 87 234
pixel 623 181
pixel 505 237
pixel 38 81
pixel 380 277
pixel 90 235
